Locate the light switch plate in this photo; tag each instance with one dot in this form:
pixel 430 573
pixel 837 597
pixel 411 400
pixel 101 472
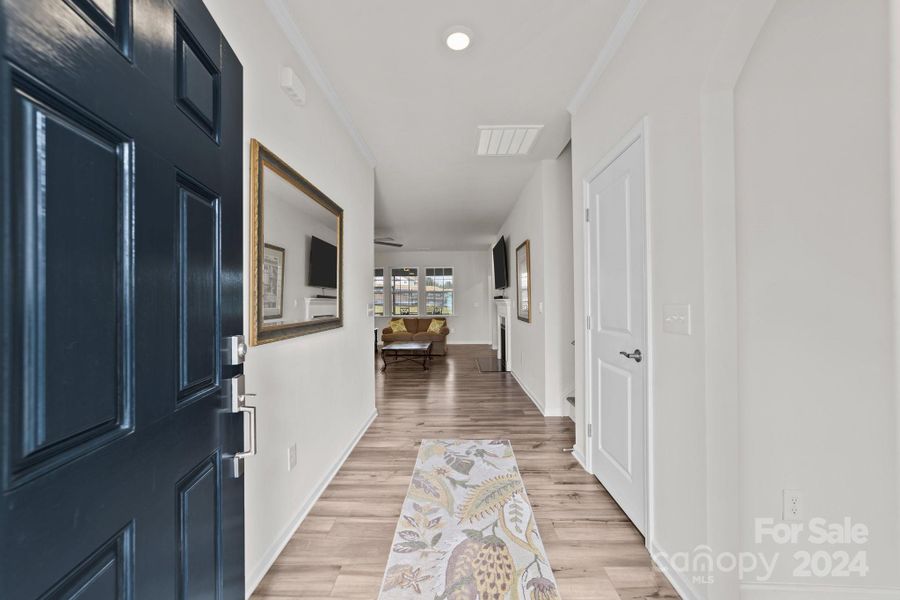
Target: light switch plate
pixel 677 319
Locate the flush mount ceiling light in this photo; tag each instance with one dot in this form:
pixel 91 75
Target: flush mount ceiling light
pixel 458 38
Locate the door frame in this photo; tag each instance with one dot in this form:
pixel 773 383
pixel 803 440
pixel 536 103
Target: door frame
pixel 637 133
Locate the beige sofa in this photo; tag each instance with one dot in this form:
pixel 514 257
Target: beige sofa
pixel 417 331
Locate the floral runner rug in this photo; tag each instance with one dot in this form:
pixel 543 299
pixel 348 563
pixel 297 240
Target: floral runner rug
pixel 466 530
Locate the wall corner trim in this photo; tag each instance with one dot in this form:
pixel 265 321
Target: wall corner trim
pixel 675 577
pixel 255 576
pixel 283 17
pixel 528 393
pixel 579 457
pixel 607 53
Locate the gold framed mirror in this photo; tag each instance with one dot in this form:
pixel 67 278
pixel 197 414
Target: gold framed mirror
pixel 523 281
pixel 296 252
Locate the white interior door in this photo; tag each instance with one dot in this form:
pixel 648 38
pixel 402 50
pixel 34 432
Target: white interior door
pixel 617 352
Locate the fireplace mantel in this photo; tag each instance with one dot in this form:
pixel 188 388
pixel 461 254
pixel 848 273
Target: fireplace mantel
pixel 504 322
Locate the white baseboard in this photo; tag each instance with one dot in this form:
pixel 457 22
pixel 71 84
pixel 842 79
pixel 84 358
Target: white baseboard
pixel 675 577
pixel 528 393
pixel 752 590
pixel 255 576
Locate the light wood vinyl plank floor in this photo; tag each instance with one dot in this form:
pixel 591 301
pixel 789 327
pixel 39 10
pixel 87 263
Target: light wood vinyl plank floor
pixel 341 549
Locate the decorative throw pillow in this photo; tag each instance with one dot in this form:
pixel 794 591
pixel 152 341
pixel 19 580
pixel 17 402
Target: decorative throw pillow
pixel 398 326
pixel 436 325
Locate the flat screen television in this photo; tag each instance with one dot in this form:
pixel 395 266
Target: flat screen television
pixel 322 264
pixel 501 273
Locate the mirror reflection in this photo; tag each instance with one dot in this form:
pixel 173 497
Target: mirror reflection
pixel 299 270
pixel 298 232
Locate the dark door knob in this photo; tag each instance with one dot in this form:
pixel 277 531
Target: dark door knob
pixel 636 356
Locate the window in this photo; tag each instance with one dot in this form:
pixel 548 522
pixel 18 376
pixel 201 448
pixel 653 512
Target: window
pixel 405 291
pixel 379 292
pixel 439 291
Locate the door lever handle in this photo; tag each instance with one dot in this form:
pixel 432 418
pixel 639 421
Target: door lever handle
pixel 636 356
pixel 239 405
pixel 251 451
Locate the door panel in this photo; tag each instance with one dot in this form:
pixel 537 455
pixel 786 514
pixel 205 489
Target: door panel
pixel 615 431
pixel 110 18
pixel 70 295
pixel 200 567
pixel 106 574
pixel 198 85
pixel 121 275
pixel 617 284
pixel 613 265
pixel 198 258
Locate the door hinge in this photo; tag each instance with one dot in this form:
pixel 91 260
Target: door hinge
pixel 587 215
pixel 587 322
pixel 590 430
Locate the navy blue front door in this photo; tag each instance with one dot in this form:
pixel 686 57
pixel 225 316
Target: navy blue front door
pixel 121 275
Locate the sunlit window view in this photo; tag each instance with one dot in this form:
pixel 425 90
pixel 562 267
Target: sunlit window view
pixel 405 291
pixel 439 291
pixel 378 302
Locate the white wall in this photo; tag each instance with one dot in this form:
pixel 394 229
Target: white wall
pixel 471 271
pixel 559 284
pixel 305 395
pixel 813 227
pixel 815 276
pixel 541 352
pixel 527 340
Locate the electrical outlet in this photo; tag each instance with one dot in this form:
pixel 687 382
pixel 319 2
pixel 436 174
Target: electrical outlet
pixel 792 508
pixel 292 457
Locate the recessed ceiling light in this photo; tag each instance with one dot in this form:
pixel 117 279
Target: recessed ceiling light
pixel 458 38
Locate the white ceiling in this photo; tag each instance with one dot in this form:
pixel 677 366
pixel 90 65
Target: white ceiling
pixel 418 104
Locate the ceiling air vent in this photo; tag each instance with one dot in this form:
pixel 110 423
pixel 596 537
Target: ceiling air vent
pixel 506 140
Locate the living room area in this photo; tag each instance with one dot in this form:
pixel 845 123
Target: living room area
pixel 505 295
pixel 437 297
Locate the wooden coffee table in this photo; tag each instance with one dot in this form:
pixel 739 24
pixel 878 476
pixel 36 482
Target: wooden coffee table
pixel 406 352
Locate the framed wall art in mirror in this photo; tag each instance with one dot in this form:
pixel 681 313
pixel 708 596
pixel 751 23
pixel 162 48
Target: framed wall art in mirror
pixel 523 281
pixel 272 282
pixel 296 242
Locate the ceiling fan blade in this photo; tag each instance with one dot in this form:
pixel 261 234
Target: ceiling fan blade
pixel 384 243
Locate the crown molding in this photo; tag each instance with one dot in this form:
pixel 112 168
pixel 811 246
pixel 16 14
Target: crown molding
pixel 303 50
pixel 607 53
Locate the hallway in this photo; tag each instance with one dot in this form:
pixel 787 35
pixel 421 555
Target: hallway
pixel 341 548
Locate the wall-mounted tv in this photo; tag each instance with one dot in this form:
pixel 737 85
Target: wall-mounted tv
pixel 501 273
pixel 322 264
